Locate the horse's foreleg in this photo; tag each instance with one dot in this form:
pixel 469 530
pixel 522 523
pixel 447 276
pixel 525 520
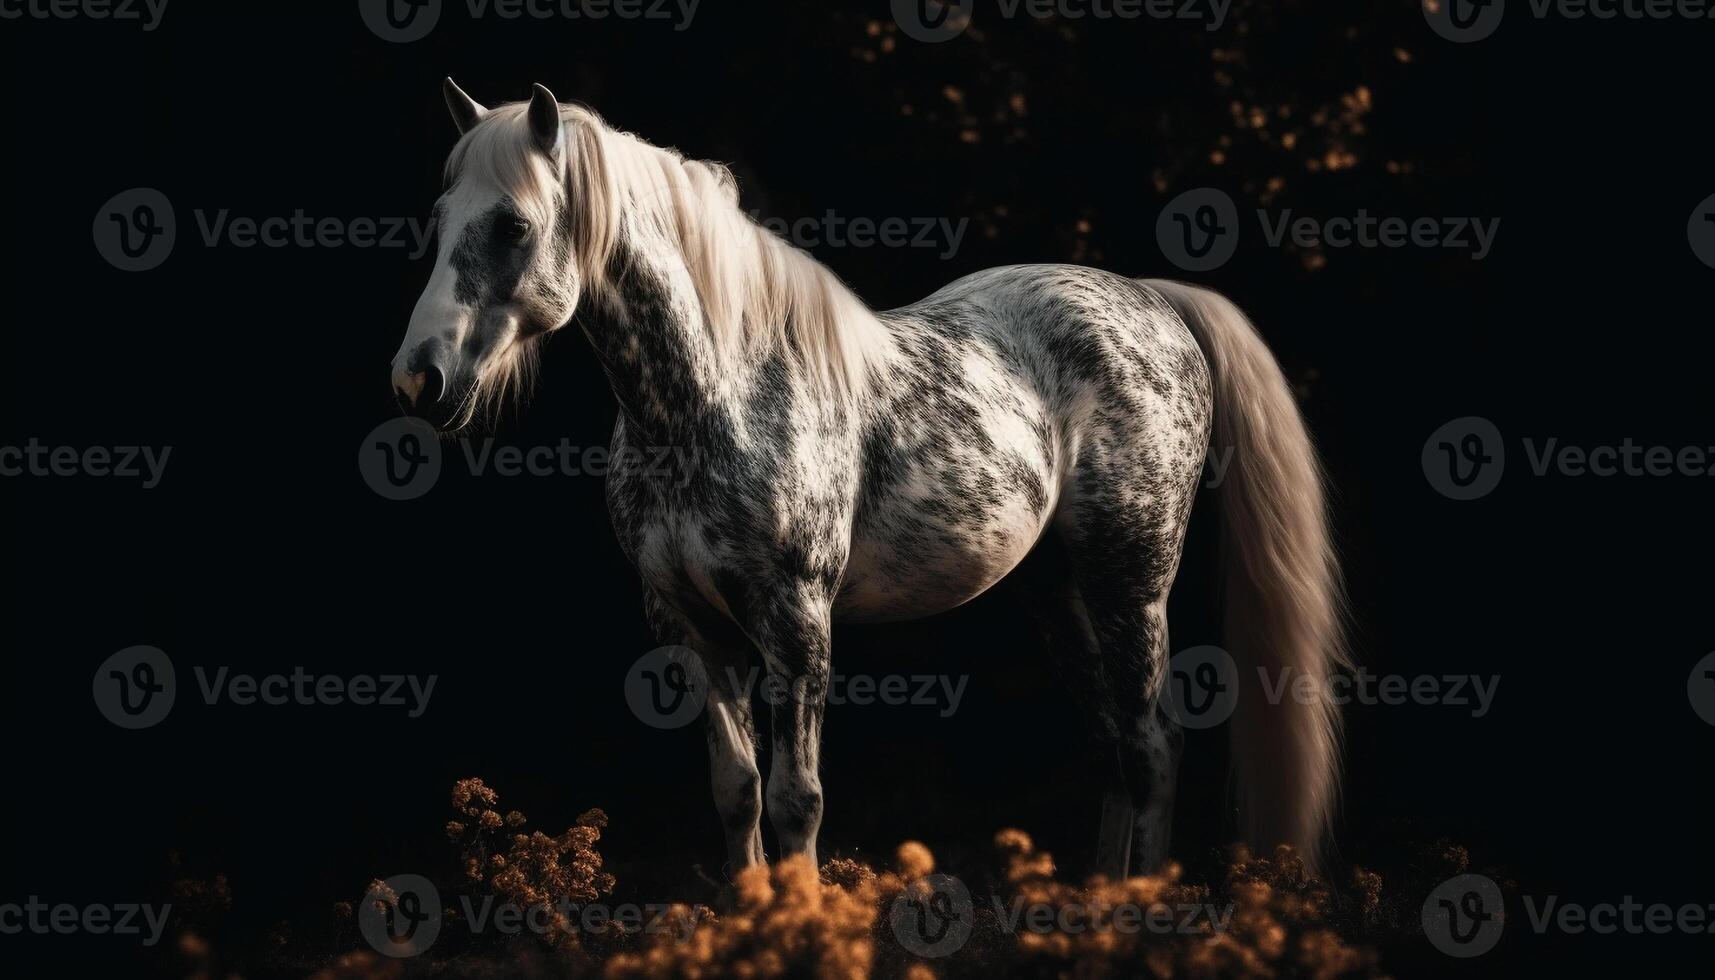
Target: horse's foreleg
pixel 733 773
pixel 796 647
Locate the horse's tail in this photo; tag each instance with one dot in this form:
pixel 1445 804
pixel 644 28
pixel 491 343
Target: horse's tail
pixel 1284 615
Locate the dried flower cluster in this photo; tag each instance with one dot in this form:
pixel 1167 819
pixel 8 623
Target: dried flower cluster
pixel 1093 943
pixel 361 965
pixel 528 870
pixel 1269 919
pixel 788 921
pixel 200 900
pixel 1259 917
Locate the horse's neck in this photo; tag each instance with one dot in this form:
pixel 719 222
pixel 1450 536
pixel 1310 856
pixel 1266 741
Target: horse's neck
pixel 648 333
pixel 662 362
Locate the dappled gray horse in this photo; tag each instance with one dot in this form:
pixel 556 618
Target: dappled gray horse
pixel 861 466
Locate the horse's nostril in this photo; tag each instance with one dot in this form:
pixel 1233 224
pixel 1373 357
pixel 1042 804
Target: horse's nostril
pixel 434 386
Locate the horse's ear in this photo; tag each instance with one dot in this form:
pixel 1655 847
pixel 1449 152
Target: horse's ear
pixel 545 123
pixel 466 112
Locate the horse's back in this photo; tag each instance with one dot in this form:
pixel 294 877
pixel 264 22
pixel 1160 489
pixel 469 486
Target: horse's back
pixel 1127 386
pixel 1090 344
pixel 1012 386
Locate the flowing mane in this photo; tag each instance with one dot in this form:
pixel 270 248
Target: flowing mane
pixel 757 292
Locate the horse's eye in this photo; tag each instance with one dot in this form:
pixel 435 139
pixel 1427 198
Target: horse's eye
pixel 512 230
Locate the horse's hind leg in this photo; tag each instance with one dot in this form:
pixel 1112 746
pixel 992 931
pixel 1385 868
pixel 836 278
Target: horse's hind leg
pixel 1123 558
pixel 1150 740
pixel 1138 740
pixel 1064 620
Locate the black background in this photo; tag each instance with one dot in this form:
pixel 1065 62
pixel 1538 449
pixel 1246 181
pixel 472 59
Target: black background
pixel 264 369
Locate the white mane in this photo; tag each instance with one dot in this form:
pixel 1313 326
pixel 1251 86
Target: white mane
pixel 756 291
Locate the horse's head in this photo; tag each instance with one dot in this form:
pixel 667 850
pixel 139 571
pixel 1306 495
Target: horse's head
pixel 506 271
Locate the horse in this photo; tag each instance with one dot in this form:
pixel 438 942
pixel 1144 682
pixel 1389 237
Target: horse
pixel 865 466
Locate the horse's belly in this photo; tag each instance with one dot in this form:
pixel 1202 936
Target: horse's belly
pixel 914 558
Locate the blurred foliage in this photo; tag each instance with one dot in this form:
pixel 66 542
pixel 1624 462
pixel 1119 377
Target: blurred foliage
pixel 1278 106
pixel 1255 917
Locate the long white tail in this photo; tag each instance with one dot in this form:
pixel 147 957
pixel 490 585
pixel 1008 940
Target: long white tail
pixel 1284 613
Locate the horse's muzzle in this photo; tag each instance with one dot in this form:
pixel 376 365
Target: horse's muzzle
pixel 421 392
pixel 420 381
